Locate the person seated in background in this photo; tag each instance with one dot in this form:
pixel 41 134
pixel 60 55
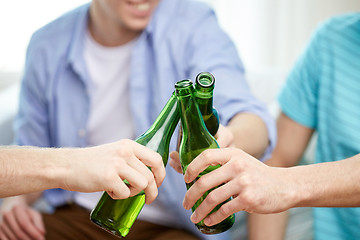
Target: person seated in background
pixel 320 95
pixel 103 72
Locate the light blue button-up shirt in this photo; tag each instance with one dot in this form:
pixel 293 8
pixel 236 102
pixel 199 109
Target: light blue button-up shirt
pixel 182 39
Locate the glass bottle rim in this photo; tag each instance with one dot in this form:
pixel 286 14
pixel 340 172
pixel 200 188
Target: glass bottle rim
pixel 205 79
pixel 183 83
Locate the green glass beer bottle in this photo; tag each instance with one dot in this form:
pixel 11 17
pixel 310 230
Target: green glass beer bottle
pixel 117 216
pixel 204 88
pixel 196 138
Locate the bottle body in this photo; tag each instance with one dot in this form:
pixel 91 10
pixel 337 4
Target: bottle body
pixel 117 216
pixel 196 138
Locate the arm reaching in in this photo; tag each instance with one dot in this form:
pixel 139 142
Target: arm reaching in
pixel 258 188
pixel 101 168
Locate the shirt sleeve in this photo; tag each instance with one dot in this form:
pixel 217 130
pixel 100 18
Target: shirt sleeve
pixel 210 49
pixel 298 98
pixel 31 122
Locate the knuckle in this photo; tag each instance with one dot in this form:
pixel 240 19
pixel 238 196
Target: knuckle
pixel 256 202
pixel 212 198
pixel 143 183
pixel 249 201
pixel 109 177
pixel 158 160
pixel 125 150
pixel 238 182
pixel 225 210
pixel 237 166
pixel 121 194
pixel 246 201
pixel 244 181
pixel 202 182
pixel 149 177
pixel 125 142
pixel 207 153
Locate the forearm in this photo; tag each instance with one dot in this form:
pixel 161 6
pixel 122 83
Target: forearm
pixel 250 133
pixel 267 226
pixel 331 184
pixel 28 169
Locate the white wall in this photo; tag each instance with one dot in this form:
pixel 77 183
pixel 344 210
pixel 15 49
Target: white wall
pixel 18 20
pixel 271 33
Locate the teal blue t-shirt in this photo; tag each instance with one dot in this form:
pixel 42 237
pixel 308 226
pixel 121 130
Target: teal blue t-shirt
pixel 323 93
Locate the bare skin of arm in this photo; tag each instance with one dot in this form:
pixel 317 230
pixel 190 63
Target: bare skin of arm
pixel 32 169
pixel 293 139
pixel 249 134
pixel 260 188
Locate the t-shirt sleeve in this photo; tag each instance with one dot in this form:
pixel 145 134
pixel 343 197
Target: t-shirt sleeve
pixel 298 98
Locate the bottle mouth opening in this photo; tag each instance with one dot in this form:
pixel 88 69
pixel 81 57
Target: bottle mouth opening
pixel 205 79
pixel 183 83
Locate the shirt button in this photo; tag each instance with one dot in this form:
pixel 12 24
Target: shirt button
pixel 81 133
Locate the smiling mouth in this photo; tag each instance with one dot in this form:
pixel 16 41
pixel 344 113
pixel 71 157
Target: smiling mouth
pixel 141 6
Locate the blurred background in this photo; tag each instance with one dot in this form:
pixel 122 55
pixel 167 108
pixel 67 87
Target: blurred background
pixel 269 35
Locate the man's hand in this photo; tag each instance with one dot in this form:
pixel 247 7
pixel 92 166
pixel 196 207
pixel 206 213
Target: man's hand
pixel 19 221
pixel 103 168
pixel 254 186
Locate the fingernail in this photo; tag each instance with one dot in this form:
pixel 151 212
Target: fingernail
pixel 208 222
pixel 193 218
pixel 185 205
pixel 186 178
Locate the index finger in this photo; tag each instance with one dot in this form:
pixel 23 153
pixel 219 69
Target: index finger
pixel 151 159
pixel 209 157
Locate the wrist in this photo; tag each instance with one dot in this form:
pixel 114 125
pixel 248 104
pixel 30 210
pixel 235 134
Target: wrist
pixel 58 168
pixel 301 190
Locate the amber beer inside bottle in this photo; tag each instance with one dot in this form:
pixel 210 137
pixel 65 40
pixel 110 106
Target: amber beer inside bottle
pixel 117 216
pixel 196 138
